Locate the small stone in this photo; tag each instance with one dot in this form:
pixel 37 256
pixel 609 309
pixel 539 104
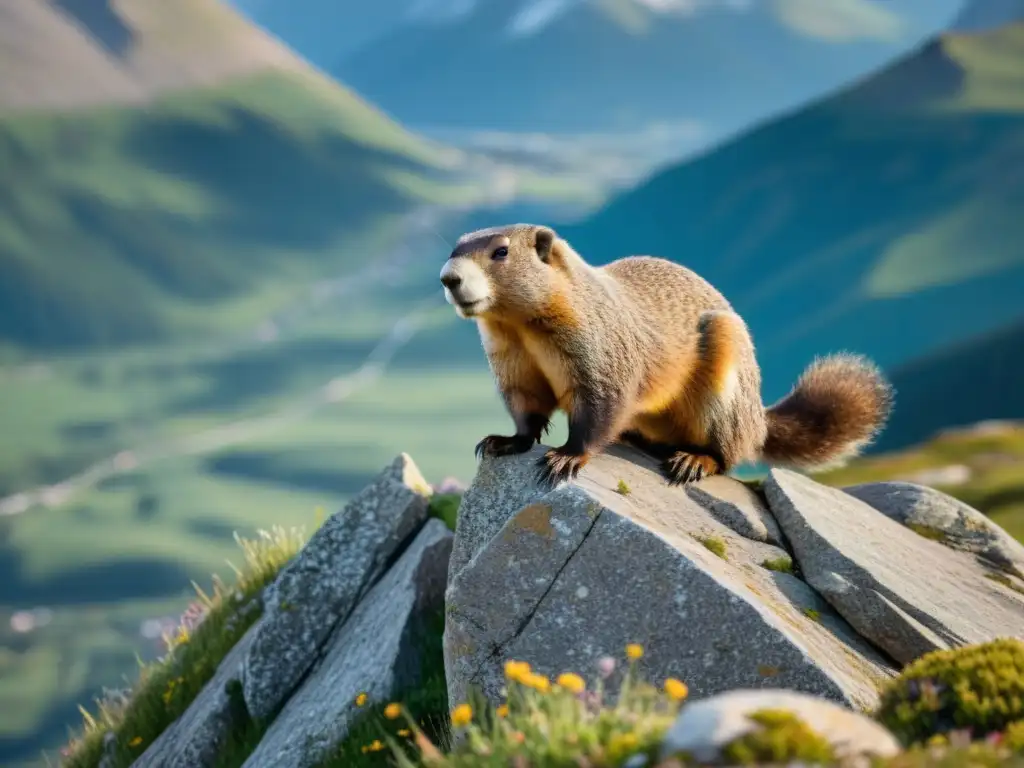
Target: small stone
pixel 704 727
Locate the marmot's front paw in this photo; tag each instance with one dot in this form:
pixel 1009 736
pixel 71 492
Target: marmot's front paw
pixel 501 445
pixel 555 466
pixel 681 467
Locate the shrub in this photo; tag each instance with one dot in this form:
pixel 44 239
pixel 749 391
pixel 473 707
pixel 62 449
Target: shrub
pixel 979 687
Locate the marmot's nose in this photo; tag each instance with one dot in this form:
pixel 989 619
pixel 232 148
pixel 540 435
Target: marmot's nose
pixel 450 281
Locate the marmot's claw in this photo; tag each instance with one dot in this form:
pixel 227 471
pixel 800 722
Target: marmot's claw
pixel 502 445
pixel 682 468
pixel 555 467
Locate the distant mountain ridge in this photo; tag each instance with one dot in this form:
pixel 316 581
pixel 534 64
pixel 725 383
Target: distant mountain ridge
pixel 585 66
pixel 982 15
pixel 884 219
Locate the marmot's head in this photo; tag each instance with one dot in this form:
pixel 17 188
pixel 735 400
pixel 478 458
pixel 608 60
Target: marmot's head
pixel 503 271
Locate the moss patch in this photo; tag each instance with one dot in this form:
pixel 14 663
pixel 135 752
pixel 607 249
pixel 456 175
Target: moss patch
pixel 715 545
pixel 1006 581
pixel 623 488
pixel 812 614
pixel 782 564
pixel 980 687
pixel 782 738
pixel 928 532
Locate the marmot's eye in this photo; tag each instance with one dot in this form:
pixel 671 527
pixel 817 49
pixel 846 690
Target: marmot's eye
pixel 500 253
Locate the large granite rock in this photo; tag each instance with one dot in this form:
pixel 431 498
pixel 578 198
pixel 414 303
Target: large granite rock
pixel 907 593
pixel 196 738
pixel 322 585
pixel 704 728
pixel 938 516
pixel 564 577
pixel 376 651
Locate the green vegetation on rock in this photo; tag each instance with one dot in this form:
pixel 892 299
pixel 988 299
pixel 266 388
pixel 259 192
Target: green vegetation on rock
pixel 980 687
pixel 782 738
pixel 715 545
pixel 168 686
pixel 783 564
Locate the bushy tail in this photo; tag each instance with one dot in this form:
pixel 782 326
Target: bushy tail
pixel 838 406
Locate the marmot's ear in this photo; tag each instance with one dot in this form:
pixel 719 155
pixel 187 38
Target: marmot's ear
pixel 545 238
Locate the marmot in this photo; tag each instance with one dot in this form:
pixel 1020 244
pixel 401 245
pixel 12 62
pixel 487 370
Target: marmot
pixel 646 351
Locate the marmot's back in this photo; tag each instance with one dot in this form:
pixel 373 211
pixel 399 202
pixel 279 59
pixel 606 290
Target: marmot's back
pixel 669 297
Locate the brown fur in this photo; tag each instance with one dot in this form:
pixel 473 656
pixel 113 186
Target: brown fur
pixel 647 350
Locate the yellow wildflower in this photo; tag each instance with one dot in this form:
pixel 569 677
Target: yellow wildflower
pixel 502 711
pixel 571 682
pixel 403 732
pixel 634 650
pixel 375 746
pixel 676 689
pixel 392 711
pixel 461 715
pixel 516 670
pixel 360 699
pixel 537 682
pixel 135 742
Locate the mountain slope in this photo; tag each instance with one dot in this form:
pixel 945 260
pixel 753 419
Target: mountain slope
pixel 605 64
pixel 164 168
pixel 883 220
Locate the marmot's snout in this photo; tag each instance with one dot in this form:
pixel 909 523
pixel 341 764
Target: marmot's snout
pixel 465 286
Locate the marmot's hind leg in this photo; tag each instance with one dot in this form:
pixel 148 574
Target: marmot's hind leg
pixel 719 413
pixel 689 466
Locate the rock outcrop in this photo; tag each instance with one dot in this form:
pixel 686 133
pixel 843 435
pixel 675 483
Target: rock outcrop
pixel 321 586
pixel 698 575
pixel 346 616
pixel 562 578
pixel 936 515
pixel 377 652
pixel 906 593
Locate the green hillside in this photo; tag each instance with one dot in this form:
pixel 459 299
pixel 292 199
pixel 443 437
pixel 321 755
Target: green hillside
pixel 171 180
pixel 224 175
pixel 885 219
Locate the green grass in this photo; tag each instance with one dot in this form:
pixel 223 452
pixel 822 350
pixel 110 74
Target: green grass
pixel 166 688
